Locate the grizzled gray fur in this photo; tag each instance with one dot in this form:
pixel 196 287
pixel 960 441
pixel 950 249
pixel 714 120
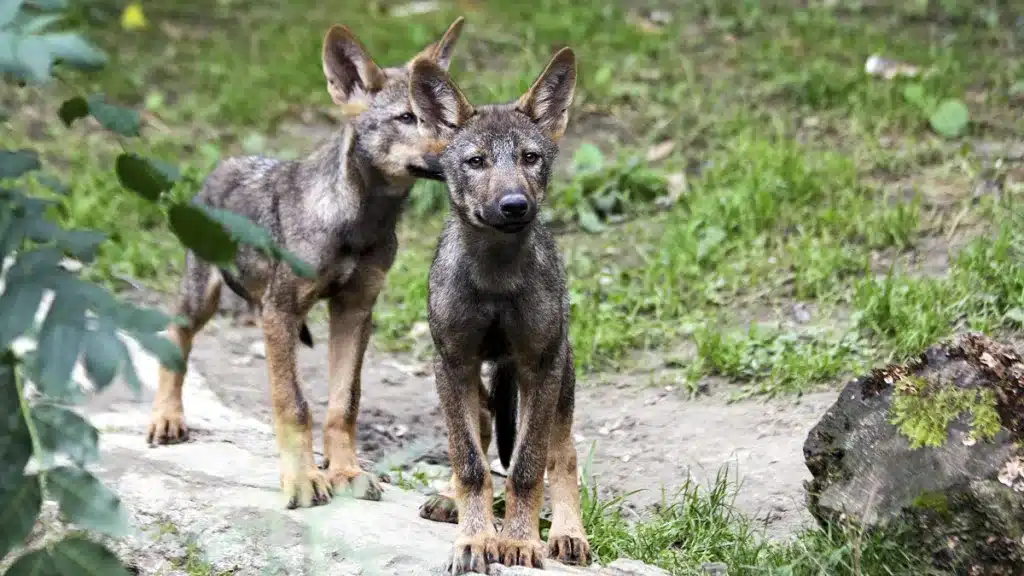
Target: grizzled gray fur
pixel 336 209
pixel 497 292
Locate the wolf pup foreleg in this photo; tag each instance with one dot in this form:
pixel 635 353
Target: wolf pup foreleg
pixel 497 292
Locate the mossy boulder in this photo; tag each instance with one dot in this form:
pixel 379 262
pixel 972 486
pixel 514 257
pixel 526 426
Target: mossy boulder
pixel 931 449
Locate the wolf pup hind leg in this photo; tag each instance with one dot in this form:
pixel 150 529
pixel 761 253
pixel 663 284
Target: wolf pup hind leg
pixel 336 209
pixel 497 292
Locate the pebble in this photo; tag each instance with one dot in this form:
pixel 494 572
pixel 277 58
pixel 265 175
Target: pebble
pixel 258 349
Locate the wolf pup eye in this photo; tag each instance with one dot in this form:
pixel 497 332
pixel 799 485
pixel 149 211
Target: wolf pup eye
pixel 407 118
pixel 531 158
pixel 475 162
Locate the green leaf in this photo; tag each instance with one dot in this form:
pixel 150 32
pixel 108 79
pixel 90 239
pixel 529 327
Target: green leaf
pixel 40 23
pixel 75 51
pixel 15 163
pixel 123 121
pixel 18 305
pixel 104 354
pixel 915 94
pixel 588 158
pixel 48 4
pixel 588 220
pixel 25 57
pixel 35 563
pixel 72 556
pixel 21 499
pixel 62 431
pixel 60 339
pixel 202 234
pixel 8 10
pixel 950 118
pixel 248 232
pixel 53 184
pixel 87 502
pixel 15 438
pixel 82 244
pixel 166 351
pixel 138 175
pixel 72 109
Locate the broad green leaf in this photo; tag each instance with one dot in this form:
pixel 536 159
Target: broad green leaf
pixel 41 230
pixel 18 305
pixel 104 354
pixel 8 10
pixel 138 175
pixel 588 220
pixel 140 320
pixel 75 51
pixel 15 438
pixel 21 499
pixel 48 4
pixel 62 431
pixel 40 23
pixel 60 339
pixel 86 501
pixel 588 158
pixel 248 232
pixel 202 234
pixel 168 171
pixel 915 94
pixel 25 57
pixel 15 163
pixel 72 109
pixel 53 184
pixel 123 121
pixel 82 244
pixel 72 556
pixel 79 556
pixel 166 351
pixel 950 118
pixel 35 563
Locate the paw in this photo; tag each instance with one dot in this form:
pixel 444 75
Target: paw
pixel 473 554
pixel 569 549
pixel 529 553
pixel 167 427
pixel 440 508
pixel 308 488
pixel 361 485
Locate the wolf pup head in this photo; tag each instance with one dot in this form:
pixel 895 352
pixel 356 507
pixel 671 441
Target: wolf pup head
pixel 376 102
pixel 499 157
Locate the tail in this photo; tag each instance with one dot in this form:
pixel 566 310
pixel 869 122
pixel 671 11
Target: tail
pixel 504 405
pixel 231 282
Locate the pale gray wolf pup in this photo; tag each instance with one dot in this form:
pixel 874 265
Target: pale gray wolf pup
pixel 337 210
pixel 497 292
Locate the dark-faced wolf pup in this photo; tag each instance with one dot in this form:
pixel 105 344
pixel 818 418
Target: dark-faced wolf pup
pixel 336 209
pixel 497 292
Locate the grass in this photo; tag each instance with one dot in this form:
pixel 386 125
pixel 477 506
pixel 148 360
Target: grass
pixel 698 524
pixel 791 177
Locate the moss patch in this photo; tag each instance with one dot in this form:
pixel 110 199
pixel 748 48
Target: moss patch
pixel 923 412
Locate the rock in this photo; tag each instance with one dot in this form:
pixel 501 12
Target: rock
pixel 213 505
pixel 258 349
pixel 947 472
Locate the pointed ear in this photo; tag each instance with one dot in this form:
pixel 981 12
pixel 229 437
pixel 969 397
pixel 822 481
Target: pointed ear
pixel 547 101
pixel 441 51
pixel 349 70
pixel 436 100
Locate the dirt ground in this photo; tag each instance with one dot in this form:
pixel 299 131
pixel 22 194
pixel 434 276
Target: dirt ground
pixel 645 438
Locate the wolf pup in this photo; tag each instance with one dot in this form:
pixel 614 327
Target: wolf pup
pixel 497 292
pixel 337 209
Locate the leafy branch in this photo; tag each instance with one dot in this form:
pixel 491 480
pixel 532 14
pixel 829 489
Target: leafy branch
pixel 52 319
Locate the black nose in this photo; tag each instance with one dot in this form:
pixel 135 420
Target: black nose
pixel 514 206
